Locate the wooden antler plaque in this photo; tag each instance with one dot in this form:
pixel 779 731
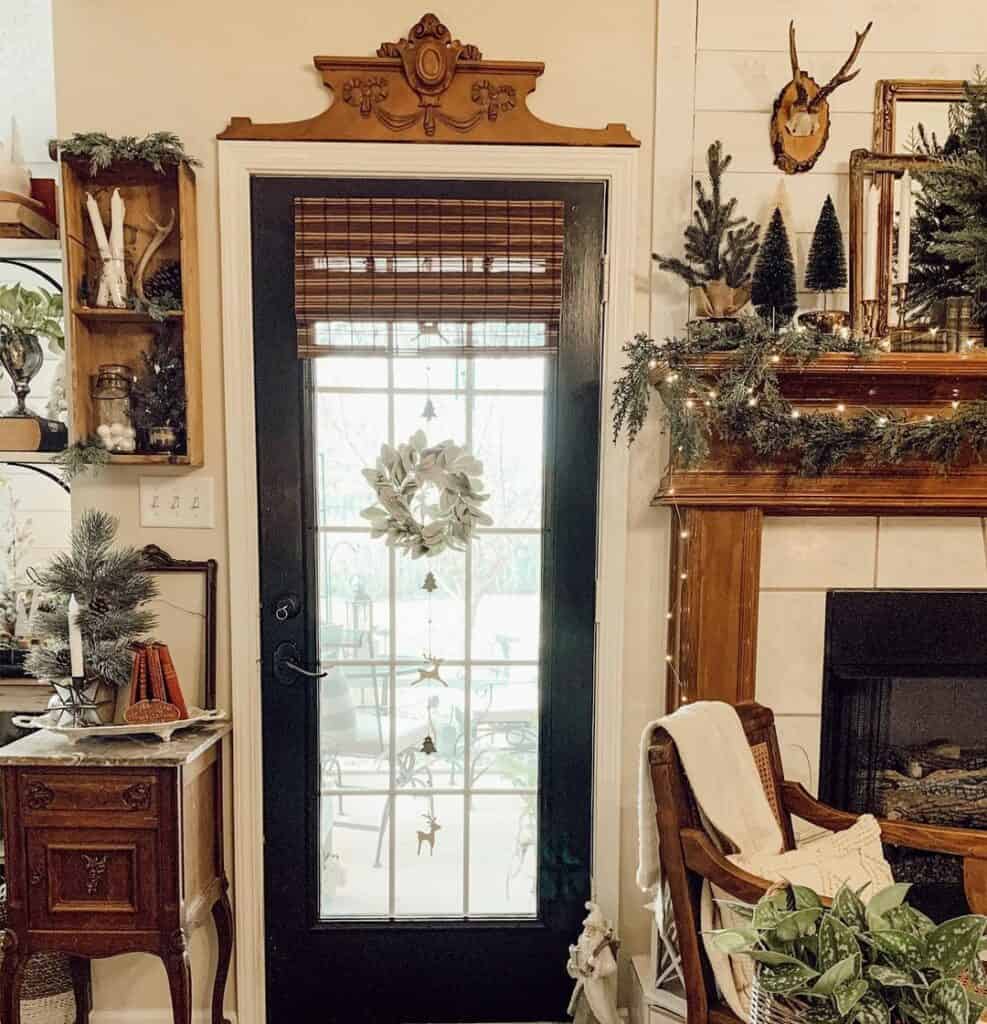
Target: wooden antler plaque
pixel 429 87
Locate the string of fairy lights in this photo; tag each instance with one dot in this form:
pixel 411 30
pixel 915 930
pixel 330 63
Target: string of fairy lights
pixel 697 399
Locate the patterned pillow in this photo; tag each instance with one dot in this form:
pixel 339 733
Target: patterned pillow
pixel 824 863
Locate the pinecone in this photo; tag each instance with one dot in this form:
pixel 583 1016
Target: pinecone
pixel 165 281
pixel 99 605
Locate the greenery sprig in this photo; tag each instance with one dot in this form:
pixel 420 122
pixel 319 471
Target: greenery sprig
pixel 854 964
pixel 159 149
pixel 744 403
pixel 87 456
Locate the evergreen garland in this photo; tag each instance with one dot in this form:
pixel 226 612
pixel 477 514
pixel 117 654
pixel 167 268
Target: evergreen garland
pixel 159 149
pixel 111 587
pixel 826 268
pixel 744 404
pixel 718 243
pixel 773 292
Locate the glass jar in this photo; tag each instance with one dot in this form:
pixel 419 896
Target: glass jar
pixel 111 393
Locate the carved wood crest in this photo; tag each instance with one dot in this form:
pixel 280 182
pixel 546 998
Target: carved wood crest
pixel 429 87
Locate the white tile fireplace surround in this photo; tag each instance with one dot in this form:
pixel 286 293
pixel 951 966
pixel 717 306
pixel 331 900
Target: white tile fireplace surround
pixel 802 558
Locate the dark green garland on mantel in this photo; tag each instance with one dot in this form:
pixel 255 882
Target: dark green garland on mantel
pixel 744 403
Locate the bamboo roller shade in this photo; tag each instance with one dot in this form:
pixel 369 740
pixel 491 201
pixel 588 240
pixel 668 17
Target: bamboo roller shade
pixel 428 262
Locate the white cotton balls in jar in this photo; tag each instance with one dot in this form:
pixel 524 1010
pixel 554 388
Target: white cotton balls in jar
pixel 117 437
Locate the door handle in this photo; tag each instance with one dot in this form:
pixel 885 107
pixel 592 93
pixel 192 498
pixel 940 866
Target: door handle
pixel 286 667
pixel 287 606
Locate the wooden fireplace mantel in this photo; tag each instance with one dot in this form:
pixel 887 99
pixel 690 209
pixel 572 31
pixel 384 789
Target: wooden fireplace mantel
pixel 720 507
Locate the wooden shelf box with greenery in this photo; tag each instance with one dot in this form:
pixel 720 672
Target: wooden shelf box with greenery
pixel 102 335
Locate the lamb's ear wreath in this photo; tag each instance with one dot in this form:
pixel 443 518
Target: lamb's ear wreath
pixel 398 478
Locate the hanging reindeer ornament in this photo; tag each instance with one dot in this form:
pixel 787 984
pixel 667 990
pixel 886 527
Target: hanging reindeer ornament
pixel 800 122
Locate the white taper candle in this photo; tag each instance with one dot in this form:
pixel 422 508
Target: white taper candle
pixel 871 208
pixel 904 228
pixel 75 640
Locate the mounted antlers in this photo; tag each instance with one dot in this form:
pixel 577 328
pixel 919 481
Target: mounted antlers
pixel 800 123
pixel 843 75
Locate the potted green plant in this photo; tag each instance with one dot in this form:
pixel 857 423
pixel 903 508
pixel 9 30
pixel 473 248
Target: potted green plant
pixel 847 963
pixel 26 313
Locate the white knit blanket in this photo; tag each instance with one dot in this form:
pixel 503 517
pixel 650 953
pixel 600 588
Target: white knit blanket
pixel 718 762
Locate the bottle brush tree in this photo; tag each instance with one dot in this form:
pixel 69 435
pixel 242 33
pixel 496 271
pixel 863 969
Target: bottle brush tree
pixel 773 289
pixel 160 397
pixel 111 587
pixel 720 246
pixel 826 270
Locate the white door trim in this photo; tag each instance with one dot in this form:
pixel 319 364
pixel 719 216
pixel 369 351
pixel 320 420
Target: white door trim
pixel 238 161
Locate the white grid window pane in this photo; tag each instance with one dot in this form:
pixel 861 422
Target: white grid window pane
pixel 428 789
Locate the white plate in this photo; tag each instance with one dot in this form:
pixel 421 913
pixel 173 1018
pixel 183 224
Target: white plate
pixel 163 730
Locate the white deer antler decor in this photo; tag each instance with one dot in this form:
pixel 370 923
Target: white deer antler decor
pixel 161 232
pixel 800 123
pixel 112 289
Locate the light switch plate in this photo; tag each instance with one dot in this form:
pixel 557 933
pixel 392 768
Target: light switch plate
pixel 178 502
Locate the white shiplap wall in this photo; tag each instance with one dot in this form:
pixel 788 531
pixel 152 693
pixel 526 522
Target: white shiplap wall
pixel 720 66
pixel 741 62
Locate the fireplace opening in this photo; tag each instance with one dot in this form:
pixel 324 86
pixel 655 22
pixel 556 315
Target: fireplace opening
pixel 904 721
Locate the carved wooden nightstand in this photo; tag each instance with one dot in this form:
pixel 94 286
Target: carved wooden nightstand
pixel 113 847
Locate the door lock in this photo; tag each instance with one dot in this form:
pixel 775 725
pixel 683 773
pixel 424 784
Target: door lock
pixel 287 606
pixel 286 666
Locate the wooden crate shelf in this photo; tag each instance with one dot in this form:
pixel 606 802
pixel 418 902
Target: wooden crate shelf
pixel 100 335
pixel 96 314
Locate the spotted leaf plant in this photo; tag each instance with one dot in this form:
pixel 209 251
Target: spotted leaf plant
pixel 850 963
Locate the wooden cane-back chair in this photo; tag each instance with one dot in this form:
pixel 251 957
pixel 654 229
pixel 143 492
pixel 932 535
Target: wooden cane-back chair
pixel 690 855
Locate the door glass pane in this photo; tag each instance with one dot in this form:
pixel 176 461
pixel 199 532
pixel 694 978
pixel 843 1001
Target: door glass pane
pixel 428 854
pixel 353 855
pixel 503 854
pixel 428 716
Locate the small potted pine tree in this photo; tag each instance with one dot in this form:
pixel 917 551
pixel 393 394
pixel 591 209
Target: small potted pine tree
pixel 719 247
pixel 826 271
pixel 773 288
pixel 160 401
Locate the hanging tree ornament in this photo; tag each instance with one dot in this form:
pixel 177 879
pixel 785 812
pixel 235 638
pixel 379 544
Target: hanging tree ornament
pixel 428 413
pixel 428 746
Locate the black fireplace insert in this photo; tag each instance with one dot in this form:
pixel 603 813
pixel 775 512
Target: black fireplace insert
pixel 904 721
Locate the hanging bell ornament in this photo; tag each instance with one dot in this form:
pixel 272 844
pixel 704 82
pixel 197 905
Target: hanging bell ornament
pixel 428 745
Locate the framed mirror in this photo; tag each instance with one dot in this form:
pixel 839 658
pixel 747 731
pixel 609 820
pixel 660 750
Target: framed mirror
pixel 875 250
pixel 186 593
pixel 911 117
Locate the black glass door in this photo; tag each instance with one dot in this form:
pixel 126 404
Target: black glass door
pixel 427 840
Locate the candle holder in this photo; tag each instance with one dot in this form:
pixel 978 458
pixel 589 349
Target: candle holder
pixel 82 702
pixel 900 300
pixel 870 317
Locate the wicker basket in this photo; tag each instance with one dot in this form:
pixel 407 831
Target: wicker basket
pixel 771 1009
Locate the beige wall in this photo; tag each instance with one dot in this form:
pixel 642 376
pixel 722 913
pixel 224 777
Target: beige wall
pixel 126 67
